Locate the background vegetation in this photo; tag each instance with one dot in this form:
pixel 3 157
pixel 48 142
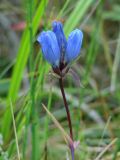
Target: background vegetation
pixel 92 86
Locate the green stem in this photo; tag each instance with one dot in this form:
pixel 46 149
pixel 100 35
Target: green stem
pixel 32 82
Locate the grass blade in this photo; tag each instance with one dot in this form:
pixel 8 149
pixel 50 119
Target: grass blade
pixel 77 15
pixel 19 67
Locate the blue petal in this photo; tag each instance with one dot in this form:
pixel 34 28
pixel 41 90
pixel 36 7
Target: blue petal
pixel 58 30
pixel 73 45
pixel 50 48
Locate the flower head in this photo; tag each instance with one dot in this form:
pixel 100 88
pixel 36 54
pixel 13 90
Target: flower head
pixel 58 51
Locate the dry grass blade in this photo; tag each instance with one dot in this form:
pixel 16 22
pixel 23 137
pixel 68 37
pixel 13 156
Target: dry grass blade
pixel 105 149
pixel 15 132
pixel 67 138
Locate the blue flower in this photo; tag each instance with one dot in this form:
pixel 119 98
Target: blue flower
pixel 56 49
pixel 50 48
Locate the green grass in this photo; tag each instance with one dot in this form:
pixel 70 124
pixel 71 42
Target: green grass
pixel 27 131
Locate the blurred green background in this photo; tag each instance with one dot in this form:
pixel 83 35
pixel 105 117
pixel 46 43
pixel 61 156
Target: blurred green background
pixel 92 86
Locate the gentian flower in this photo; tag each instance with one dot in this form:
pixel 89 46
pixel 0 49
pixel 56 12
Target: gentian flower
pixel 56 49
pixel 60 52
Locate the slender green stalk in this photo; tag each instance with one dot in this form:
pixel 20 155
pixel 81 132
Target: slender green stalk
pixel 28 114
pixel 32 82
pixel 26 131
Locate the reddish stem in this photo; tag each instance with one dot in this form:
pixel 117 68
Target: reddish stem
pixel 68 116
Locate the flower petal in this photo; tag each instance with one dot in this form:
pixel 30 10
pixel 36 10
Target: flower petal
pixel 73 45
pixel 50 48
pixel 58 30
